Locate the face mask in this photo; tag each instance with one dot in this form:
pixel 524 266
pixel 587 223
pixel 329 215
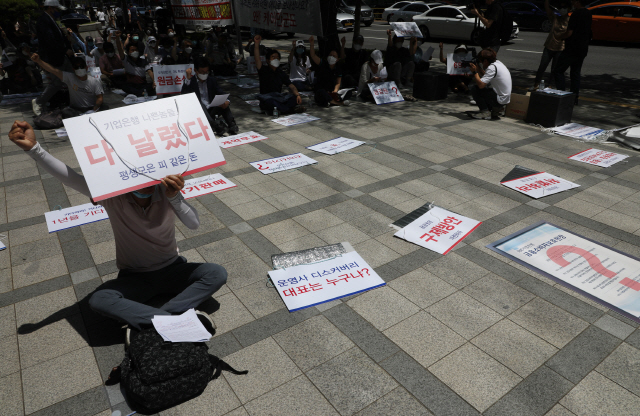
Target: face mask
pixel 275 63
pixel 99 45
pixel 188 50
pixel 111 54
pixel 357 47
pixel 171 34
pixel 152 44
pixel 563 12
pixel 135 38
pixel 299 51
pixel 81 72
pixel 203 77
pixel 398 45
pixel 134 54
pixel 13 58
pixel 143 196
pixel 332 60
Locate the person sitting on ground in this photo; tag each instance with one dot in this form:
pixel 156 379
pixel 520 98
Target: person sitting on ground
pixel 222 56
pixel 421 64
pixel 493 91
pixel 206 88
pixel 272 79
pixel 554 45
pixel 109 63
pixel 151 49
pixel 371 72
pixel 399 61
pixel 328 78
pixel 136 68
pixel 185 55
pixel 353 59
pixel 85 92
pixel 457 83
pixel 98 51
pixel 299 66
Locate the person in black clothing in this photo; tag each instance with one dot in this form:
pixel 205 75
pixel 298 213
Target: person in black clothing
pixel 399 60
pixel 134 21
pixel 328 78
pixel 272 79
pixel 353 59
pixel 492 20
pixel 206 88
pixel 576 48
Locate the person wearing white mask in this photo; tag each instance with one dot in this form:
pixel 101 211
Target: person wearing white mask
pixel 353 59
pixel 299 66
pixel 185 56
pixel 371 71
pixel 85 92
pixel 98 51
pixel 136 69
pixel 328 78
pixel 399 60
pixel 151 49
pixel 111 67
pixel 554 45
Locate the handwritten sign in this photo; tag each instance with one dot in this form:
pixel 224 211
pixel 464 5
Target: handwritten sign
pixel 170 78
pixel 293 119
pixel 406 29
pixel 281 16
pixel 239 139
pixel 333 146
pixel 129 148
pixel 205 185
pixel 455 65
pixel 385 92
pixel 540 184
pixel 75 216
pixel 438 230
pixel 597 157
pixel 312 284
pixel 278 164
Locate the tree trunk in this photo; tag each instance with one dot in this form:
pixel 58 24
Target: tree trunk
pixel 329 41
pixel 356 25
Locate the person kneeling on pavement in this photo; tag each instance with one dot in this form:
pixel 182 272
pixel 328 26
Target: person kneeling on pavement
pixel 328 78
pixel 372 71
pixel 85 92
pixel 143 224
pixel 206 88
pixel 492 91
pixel 272 78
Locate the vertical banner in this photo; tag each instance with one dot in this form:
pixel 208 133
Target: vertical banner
pixel 193 13
pixel 281 15
pixel 170 78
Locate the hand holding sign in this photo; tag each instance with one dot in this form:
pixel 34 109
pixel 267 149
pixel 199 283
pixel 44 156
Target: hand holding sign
pixel 173 185
pixel 406 29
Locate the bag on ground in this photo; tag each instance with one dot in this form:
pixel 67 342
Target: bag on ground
pixel 49 120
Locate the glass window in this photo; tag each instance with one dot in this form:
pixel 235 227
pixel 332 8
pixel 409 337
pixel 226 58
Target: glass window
pixel 630 11
pixel 605 11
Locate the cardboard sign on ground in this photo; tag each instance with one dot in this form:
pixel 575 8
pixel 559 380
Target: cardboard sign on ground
pixel 74 217
pixel 334 146
pixel 539 185
pixel 385 92
pixel 597 157
pixel 518 106
pixel 239 139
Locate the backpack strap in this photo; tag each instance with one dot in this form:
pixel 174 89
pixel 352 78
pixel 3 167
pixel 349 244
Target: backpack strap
pixel 221 366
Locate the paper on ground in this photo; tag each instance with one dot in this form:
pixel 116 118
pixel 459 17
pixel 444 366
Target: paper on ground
pixel 238 139
pixel 293 119
pixel 61 132
pixel 597 157
pixel 578 131
pixel 181 328
pixel 75 216
pixel 333 146
pixel 206 185
pixel 2 246
pixel 218 100
pixel 540 184
pixel 385 92
pixel 253 103
pixel 633 132
pixel 278 164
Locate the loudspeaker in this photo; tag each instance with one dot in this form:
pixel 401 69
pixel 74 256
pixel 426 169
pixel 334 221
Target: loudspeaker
pixel 550 110
pixel 430 86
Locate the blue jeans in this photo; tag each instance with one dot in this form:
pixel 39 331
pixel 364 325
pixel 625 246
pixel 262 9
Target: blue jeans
pixel 486 98
pixel 547 56
pixel 566 61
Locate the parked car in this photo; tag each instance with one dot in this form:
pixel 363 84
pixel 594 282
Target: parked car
pixel 406 13
pixel 452 22
pixel 349 7
pixel 530 15
pixel 391 9
pixel 345 22
pixel 616 22
pixel 599 2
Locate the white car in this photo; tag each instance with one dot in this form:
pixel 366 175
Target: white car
pixel 406 13
pixel 345 22
pixel 389 10
pixel 452 22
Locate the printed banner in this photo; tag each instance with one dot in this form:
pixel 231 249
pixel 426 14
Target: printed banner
pixel 333 146
pixel 278 164
pixel 295 16
pixel 74 217
pixel 238 139
pixel 597 157
pixel 605 275
pixel 205 185
pixel 170 78
pixel 438 230
pixel 406 29
pixel 204 13
pixel 578 131
pixel 129 148
pixel 540 184
pixel 293 119
pixel 385 92
pixel 455 65
pixel 312 284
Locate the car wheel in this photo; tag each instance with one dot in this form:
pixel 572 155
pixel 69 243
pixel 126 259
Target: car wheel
pixel 546 26
pixel 425 33
pixel 368 24
pixel 475 37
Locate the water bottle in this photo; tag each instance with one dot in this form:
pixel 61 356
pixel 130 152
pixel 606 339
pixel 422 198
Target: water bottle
pixel 541 87
pixel 144 94
pixel 276 113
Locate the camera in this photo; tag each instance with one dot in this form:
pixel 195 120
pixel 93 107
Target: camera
pixel 465 63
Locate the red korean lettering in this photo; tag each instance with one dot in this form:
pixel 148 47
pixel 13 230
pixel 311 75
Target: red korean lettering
pixel 143 146
pixel 290 292
pixel 203 129
pixel 169 80
pixel 315 286
pixel 428 239
pixel 171 135
pixel 302 289
pixel 107 149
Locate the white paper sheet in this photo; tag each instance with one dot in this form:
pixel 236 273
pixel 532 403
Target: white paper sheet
pixel 181 328
pixel 218 100
pixel 337 145
pixel 540 184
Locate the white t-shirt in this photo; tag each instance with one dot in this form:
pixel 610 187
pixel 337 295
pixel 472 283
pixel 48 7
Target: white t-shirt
pixel 297 72
pixel 82 94
pixel 95 52
pixel 497 76
pixel 100 16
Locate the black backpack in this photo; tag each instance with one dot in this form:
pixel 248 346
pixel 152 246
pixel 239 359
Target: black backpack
pixel 157 374
pixel 506 25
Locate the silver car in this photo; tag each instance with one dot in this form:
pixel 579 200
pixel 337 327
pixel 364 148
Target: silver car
pixel 349 7
pixel 345 22
pixel 406 13
pixel 395 7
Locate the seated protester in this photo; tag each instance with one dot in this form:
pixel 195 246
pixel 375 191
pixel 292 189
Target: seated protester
pixel 136 69
pixel 493 91
pixel 135 38
pixel 164 50
pixel 353 59
pixel 185 55
pixel 399 60
pixel 222 56
pixel 20 77
pixel 151 49
pixel 98 51
pixel 328 78
pixel 299 66
pixel 85 92
pixel 272 79
pixel 109 62
pixel 421 65
pixel 372 71
pixel 457 83
pixel 143 224
pixel 206 88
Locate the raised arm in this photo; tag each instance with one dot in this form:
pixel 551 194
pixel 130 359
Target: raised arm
pixel 390 34
pixel 119 45
pixel 413 45
pixel 55 71
pixel 172 186
pixel 442 57
pixel 312 51
pixel 550 13
pixel 256 51
pixel 343 42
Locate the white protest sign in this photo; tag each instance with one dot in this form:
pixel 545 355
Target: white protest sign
pixel 252 69
pixel 74 217
pixel 278 164
pixel 311 284
pixel 205 185
pixel 238 139
pixel 454 64
pixel 92 69
pixel 293 119
pixel 218 100
pixel 333 146
pixel 578 131
pixel 300 16
pixel 406 29
pixel 385 92
pixel 133 147
pixel 170 78
pixel 540 184
pixel 597 157
pixel 426 56
pixel 438 230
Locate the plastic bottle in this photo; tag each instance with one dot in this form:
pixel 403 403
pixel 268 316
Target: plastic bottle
pixel 144 94
pixel 276 113
pixel 541 87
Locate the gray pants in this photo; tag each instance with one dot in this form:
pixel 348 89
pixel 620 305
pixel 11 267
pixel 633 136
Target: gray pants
pixel 123 298
pixel 55 85
pixel 401 73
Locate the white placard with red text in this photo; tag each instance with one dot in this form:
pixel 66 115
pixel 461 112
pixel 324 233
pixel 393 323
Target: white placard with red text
pixel 438 230
pixel 170 78
pixel 278 164
pixel 385 92
pixel 406 29
pixel 205 185
pixel 454 64
pixel 333 146
pixel 238 139
pixel 540 184
pixel 597 157
pixel 74 217
pixel 311 284
pixel 293 119
pixel 147 139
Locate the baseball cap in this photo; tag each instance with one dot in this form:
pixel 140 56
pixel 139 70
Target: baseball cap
pixel 460 47
pixel 151 39
pixel 54 3
pixel 299 43
pixel 98 41
pixel 89 39
pixel 358 38
pixel 377 57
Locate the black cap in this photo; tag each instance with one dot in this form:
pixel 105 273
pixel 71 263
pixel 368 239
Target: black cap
pixel 358 38
pixel 89 39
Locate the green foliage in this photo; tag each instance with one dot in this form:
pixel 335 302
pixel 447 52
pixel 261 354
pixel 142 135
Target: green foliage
pixel 12 10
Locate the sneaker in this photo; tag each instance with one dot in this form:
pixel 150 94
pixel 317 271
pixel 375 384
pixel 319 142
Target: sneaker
pixel 233 129
pixel 205 319
pixel 481 115
pixel 472 102
pixel 37 108
pixel 346 102
pixel 497 112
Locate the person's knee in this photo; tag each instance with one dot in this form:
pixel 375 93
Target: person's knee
pixel 214 274
pixel 104 299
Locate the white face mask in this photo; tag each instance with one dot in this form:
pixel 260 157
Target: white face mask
pixel 357 47
pixel 203 77
pixel 332 60
pixel 111 54
pixel 134 54
pixel 171 34
pixel 81 72
pixel 188 50
pixel 275 63
pixel 398 45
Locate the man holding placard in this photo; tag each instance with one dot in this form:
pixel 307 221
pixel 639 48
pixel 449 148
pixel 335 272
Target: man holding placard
pixel 399 60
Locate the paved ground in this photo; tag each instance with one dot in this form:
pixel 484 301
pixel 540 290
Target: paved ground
pixel 462 334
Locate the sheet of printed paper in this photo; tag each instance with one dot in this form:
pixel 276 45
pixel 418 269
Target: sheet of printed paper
pixel 142 144
pixel 385 92
pixel 75 216
pixel 311 284
pixel 278 164
pixel 170 78
pixel 578 131
pixel 406 29
pixel 454 64
pixel 438 230
pixel 2 246
pixel 591 267
pixel 181 328
pixel 597 157
pixel 426 56
pixel 540 185
pixel 218 100
pixel 205 185
pixel 253 103
pixel 337 145
pixel 239 139
pixel 293 119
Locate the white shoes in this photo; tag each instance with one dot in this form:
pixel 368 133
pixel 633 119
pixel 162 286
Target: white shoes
pixel 346 102
pixel 37 108
pixel 472 102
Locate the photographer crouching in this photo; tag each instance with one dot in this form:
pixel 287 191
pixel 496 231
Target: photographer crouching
pixel 490 86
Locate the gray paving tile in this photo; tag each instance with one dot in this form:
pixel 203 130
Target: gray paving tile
pixel 349 210
pixel 489 263
pixel 614 326
pixel 438 168
pixel 463 314
pixel 107 268
pixel 621 366
pixel 259 299
pixel 537 204
pixel 217 399
pixel 9 357
pixel 240 228
pixel 383 307
pixel 260 245
pixel 634 339
pixel 379 206
pixel 11 395
pixel 37 289
pixel 596 395
pixel 498 294
pixel 7 321
pixel 399 402
pixel 90 402
pixel 84 275
pixel 353 193
pixel 224 345
pixel 266 326
pixel 559 410
pixel 77 255
pixel 422 288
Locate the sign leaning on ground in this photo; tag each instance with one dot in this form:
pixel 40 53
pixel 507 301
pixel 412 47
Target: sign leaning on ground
pixel 278 164
pixel 385 92
pixel 75 216
pixel 597 157
pixel 601 273
pixel 540 184
pixel 293 16
pixel 205 185
pixel 192 13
